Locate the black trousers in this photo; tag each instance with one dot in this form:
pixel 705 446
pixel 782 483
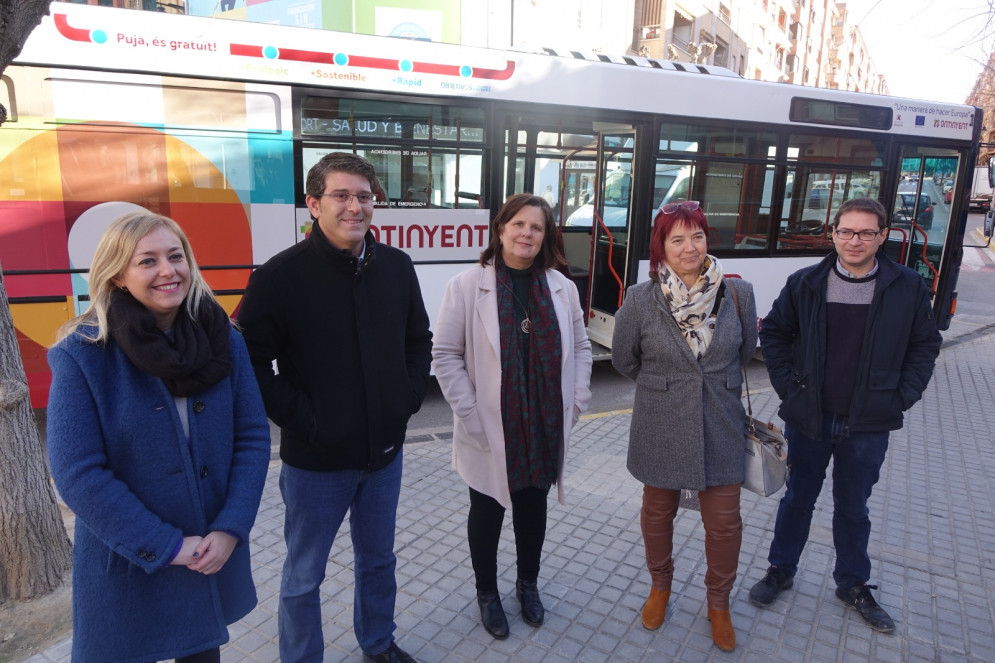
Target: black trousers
pixel 483 527
pixel 209 656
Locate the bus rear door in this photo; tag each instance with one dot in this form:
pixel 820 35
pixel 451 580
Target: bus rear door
pixel 610 230
pixel 924 228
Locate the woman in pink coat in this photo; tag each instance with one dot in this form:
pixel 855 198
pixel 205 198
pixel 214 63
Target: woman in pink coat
pixel 512 357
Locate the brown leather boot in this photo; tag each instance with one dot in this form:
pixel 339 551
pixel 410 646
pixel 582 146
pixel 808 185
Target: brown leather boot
pixel 655 609
pixel 723 634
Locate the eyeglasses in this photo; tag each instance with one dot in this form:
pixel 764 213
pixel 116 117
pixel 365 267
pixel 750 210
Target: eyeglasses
pixel 363 197
pixel 689 205
pixel 865 235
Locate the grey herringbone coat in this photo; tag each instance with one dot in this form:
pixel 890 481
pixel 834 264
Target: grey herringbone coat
pixel 688 417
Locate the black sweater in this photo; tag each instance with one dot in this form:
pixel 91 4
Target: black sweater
pixel 352 346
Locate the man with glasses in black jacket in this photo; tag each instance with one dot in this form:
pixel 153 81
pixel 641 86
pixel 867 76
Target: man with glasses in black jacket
pixel 849 344
pixel 342 315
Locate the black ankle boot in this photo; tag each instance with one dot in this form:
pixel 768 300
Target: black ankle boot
pixel 492 614
pixel 528 593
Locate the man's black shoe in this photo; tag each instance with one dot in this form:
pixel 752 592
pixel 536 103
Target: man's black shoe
pixel 392 654
pixel 528 593
pixel 776 581
pixel 492 614
pixel 859 598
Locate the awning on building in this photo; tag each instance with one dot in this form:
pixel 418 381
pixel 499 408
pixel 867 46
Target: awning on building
pixel 685 14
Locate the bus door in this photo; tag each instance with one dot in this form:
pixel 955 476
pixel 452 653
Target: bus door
pixel 924 211
pixel 610 229
pixel 584 170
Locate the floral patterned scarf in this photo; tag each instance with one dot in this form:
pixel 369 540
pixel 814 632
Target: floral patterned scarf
pixel 692 307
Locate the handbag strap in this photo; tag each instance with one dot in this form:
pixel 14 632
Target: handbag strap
pixel 735 298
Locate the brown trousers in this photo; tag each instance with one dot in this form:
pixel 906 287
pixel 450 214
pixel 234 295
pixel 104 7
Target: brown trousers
pixel 723 536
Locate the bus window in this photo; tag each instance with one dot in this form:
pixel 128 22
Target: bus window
pixel 867 152
pixel 666 175
pixel 716 141
pixel 816 195
pixel 731 195
pixel 367 119
pixel 920 216
pixel 418 178
pixel 425 155
pixel 767 198
pixel 559 165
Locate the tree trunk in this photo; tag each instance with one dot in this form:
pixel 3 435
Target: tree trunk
pixel 35 552
pixel 17 19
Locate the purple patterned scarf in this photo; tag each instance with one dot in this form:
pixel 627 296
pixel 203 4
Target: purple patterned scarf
pixel 531 396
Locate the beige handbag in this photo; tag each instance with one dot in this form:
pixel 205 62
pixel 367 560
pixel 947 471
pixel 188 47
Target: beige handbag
pixel 766 454
pixel 766 448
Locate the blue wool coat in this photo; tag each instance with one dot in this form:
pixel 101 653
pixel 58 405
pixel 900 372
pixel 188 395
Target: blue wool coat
pixel 122 463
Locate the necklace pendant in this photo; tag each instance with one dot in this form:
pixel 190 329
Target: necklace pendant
pixel 527 326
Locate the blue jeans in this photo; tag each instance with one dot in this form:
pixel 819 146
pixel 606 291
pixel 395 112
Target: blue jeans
pixel 857 461
pixel 316 504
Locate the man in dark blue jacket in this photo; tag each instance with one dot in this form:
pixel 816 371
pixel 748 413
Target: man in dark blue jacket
pixel 342 315
pixel 849 344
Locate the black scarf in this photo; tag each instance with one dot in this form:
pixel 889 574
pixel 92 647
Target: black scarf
pixel 195 359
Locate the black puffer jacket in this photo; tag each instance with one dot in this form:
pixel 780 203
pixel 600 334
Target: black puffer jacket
pixel 901 343
pixel 352 345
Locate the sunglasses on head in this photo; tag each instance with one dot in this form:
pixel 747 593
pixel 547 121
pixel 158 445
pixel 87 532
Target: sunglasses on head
pixel 689 205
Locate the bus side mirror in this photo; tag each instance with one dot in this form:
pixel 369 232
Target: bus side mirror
pixel 991 172
pixel 989 223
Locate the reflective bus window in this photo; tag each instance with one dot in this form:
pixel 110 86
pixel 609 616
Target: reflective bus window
pixel 812 199
pixel 832 149
pixel 564 171
pixel 716 141
pixel 566 158
pixel 417 149
pixel 731 195
pixel 921 210
pixel 418 178
pixel 367 119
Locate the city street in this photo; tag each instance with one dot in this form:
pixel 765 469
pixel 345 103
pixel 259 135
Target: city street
pixel 300 137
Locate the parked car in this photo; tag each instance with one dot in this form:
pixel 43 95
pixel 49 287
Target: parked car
pixel 906 210
pixel 980 203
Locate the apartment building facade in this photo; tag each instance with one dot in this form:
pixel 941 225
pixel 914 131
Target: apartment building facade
pixel 805 42
pixel 983 96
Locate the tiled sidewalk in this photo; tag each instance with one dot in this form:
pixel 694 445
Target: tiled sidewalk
pixel 932 548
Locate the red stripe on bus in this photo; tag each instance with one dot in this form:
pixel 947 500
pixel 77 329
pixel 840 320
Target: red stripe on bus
pixel 430 68
pixel 367 62
pixel 69 32
pixel 245 49
pixel 496 74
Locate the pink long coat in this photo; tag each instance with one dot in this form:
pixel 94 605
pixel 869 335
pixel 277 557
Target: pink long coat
pixel 467 362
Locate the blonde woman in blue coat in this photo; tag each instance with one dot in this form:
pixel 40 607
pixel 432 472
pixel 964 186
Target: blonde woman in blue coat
pixel 159 444
pixel 680 337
